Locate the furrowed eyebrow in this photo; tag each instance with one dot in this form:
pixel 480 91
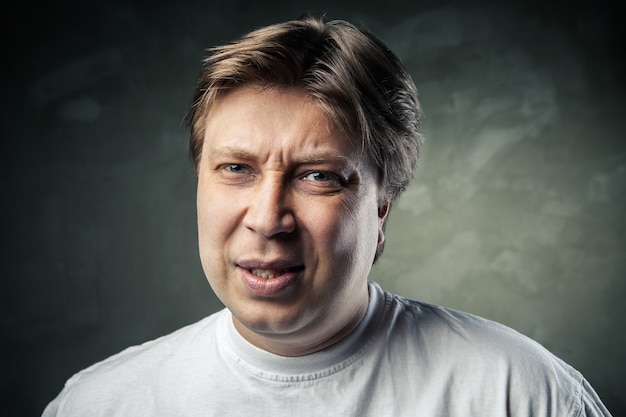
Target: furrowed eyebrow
pixel 322 158
pixel 232 152
pixel 325 159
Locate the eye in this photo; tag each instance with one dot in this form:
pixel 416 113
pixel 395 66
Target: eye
pixel 319 177
pixel 323 179
pixel 236 168
pixel 236 174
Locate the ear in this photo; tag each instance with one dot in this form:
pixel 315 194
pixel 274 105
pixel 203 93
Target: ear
pixel 383 211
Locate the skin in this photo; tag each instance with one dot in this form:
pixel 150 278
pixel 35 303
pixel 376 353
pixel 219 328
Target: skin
pixel 282 192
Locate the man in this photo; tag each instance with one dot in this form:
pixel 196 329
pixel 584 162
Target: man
pixel 303 135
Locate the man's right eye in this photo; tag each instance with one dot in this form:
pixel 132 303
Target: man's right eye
pixel 235 174
pixel 236 168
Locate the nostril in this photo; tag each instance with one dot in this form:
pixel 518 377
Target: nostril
pixel 270 222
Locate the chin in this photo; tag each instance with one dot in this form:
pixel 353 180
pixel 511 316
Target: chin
pixel 274 321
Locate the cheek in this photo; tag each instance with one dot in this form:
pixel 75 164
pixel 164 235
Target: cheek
pixel 205 214
pixel 347 232
pixel 364 223
pixel 214 207
pixel 214 229
pixel 215 219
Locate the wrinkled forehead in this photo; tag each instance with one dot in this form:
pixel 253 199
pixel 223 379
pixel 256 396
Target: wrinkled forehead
pixel 289 118
pixel 331 116
pixel 289 113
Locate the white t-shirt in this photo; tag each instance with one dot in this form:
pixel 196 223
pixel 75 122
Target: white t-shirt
pixel 406 358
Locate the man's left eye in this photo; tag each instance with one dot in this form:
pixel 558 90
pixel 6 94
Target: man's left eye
pixel 236 168
pixel 320 177
pixel 323 180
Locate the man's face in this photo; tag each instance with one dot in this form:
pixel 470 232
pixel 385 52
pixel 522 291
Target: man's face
pixel 288 219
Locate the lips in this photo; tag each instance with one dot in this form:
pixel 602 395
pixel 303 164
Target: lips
pixel 269 278
pixel 272 273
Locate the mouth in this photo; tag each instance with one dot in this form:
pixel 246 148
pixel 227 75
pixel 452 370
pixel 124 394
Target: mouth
pixel 270 278
pixel 266 273
pixel 270 269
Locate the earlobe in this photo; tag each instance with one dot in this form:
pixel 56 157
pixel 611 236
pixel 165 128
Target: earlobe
pixel 383 211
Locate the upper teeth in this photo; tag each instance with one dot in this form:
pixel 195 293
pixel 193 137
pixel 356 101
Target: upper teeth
pixel 267 273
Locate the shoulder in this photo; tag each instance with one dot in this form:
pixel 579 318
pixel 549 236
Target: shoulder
pixel 127 372
pixel 471 357
pixel 457 330
pixel 153 353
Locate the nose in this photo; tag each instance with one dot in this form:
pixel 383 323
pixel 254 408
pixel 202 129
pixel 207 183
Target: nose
pixel 269 212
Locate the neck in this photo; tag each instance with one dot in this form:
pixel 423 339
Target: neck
pixel 304 341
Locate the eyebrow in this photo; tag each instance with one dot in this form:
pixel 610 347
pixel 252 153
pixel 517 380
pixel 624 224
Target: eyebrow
pixel 232 152
pixel 316 159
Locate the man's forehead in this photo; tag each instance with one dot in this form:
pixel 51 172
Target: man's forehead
pixel 333 115
pixel 253 110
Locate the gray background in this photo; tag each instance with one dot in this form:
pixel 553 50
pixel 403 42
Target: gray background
pixel 516 214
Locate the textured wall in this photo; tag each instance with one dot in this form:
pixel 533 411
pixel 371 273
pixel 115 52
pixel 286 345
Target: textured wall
pixel 516 212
